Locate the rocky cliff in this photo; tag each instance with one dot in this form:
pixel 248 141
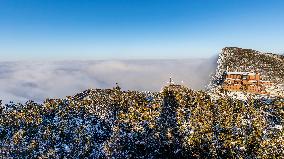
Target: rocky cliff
pixel 269 65
pixel 234 59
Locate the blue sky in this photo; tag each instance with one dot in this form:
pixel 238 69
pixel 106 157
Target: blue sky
pixel 136 29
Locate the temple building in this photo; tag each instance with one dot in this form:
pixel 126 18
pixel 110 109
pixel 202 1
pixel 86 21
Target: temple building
pixel 245 81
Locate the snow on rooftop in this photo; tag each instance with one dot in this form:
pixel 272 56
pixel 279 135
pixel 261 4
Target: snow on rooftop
pixel 241 73
pixel 252 81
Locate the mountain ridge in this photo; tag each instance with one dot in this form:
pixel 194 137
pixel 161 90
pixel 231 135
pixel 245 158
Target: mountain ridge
pixel 176 122
pixel 270 65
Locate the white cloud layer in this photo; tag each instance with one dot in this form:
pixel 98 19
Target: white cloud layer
pixel 21 81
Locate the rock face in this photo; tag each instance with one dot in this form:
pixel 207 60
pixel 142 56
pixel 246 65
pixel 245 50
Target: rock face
pixel 270 66
pixel 234 59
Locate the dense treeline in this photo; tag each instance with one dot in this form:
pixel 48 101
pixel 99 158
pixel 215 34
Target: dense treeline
pixel 176 123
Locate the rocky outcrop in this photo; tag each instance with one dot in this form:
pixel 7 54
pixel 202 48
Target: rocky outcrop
pixel 234 59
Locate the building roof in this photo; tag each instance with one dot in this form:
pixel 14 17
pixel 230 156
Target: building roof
pixel 237 73
pixel 252 80
pixel 241 73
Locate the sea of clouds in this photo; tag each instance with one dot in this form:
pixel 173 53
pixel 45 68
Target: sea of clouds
pixel 22 81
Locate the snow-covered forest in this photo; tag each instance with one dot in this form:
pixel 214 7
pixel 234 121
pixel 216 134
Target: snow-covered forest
pixel 174 123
